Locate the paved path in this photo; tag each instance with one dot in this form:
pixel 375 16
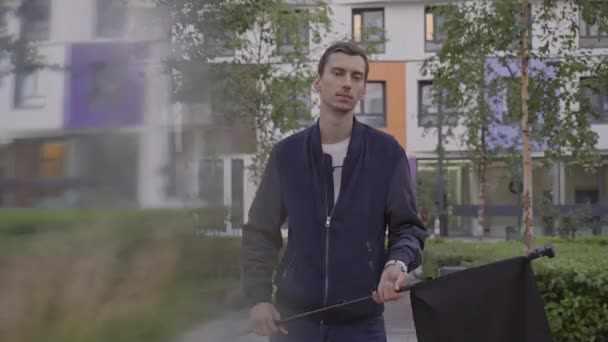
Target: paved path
pixel 229 328
pixel 398 315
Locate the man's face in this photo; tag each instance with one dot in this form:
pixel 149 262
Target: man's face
pixel 343 82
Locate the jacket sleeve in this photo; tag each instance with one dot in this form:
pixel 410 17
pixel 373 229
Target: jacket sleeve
pixel 262 239
pixel 406 232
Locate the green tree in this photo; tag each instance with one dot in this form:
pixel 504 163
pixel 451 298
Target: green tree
pixel 15 50
pixel 547 98
pixel 267 83
pixel 272 45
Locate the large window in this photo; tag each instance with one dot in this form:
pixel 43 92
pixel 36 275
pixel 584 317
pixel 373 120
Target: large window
pixel 3 20
pixel 106 81
pixel 29 87
pixel 149 21
pixel 516 40
pixel 589 35
pixel 432 108
pixel 292 36
pixel 36 19
pixel 52 163
pixel 372 108
pixel 237 211
pixel 368 28
pixel 211 181
pixel 111 18
pixel 433 36
pixel 224 46
pixel 52 159
pixel 597 98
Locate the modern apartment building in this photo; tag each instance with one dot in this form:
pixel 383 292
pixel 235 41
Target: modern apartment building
pixel 412 34
pixel 155 150
pixel 563 184
pixel 90 127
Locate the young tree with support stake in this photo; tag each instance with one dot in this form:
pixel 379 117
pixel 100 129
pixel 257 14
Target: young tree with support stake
pixel 554 107
pixel 268 78
pixel 270 72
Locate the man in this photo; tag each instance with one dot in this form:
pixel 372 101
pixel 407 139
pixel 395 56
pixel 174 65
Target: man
pixel 339 184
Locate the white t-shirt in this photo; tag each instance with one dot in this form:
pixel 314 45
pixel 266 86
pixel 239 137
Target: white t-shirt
pixel 338 153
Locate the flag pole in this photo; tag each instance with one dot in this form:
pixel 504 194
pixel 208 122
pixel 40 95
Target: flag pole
pixel 544 251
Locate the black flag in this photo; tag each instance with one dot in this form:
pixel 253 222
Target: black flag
pixel 497 302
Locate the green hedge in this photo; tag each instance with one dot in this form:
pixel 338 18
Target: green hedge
pixel 118 276
pixel 574 284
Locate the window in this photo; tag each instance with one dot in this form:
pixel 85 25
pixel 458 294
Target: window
pixel 36 20
pixel 106 81
pixel 3 20
pixel 597 96
pixel 52 159
pixel 211 181
pixel 225 46
pixel 433 36
pixel 28 88
pixel 589 35
pixel 430 110
pixel 237 210
pixel 148 21
pixel 511 88
pixel 52 165
pixel 295 106
pixel 519 17
pixel 368 28
pixel 372 108
pixel 111 18
pixel 292 36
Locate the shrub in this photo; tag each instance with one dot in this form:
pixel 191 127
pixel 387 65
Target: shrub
pixel 574 284
pixel 110 276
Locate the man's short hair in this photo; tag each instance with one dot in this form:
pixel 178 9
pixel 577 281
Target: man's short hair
pixel 346 48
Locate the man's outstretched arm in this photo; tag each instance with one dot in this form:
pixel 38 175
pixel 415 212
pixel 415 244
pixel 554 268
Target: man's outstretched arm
pixel 262 240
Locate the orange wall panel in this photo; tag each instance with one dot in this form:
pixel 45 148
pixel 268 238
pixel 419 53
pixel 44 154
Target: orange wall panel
pixel 393 73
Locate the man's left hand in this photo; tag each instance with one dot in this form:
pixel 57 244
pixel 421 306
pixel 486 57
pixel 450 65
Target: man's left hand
pixel 393 278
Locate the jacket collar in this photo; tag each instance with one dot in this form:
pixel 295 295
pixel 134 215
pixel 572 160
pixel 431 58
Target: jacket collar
pixel 354 146
pixel 353 156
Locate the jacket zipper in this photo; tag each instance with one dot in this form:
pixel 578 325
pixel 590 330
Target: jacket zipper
pixel 327 224
pixel 328 217
pixel 288 267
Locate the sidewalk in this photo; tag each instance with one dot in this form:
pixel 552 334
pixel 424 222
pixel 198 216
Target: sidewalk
pixel 398 316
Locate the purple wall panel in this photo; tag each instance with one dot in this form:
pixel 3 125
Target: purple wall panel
pixel 504 135
pixel 99 98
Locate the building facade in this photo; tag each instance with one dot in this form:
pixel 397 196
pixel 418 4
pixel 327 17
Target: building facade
pixel 558 187
pixel 101 125
pixel 89 126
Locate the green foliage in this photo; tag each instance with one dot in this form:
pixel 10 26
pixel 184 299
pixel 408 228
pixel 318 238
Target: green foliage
pixel 14 50
pixel 269 76
pixel 560 110
pixel 574 284
pixel 112 276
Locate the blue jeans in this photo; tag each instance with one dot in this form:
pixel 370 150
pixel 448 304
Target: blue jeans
pixel 305 330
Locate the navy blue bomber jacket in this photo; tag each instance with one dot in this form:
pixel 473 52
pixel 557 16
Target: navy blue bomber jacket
pixel 333 254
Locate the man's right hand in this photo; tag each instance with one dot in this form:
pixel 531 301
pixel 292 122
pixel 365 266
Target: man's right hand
pixel 263 317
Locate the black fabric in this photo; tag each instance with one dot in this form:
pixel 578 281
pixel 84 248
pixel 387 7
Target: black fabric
pixel 497 302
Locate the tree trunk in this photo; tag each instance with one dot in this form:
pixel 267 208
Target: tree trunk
pixel 525 130
pixel 481 215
